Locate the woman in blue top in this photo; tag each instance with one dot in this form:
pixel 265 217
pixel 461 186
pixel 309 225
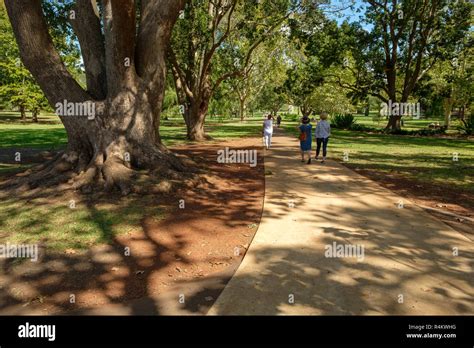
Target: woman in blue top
pixel 306 143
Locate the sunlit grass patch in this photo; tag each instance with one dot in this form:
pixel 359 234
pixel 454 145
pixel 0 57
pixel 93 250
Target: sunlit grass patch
pixel 421 159
pixel 60 227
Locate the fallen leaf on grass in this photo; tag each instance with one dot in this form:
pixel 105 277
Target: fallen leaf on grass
pixel 39 299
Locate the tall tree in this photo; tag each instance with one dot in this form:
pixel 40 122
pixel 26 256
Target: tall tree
pixel 400 42
pixel 125 63
pixel 453 81
pixel 214 42
pixel 317 48
pixel 18 89
pixel 266 62
pixel 302 80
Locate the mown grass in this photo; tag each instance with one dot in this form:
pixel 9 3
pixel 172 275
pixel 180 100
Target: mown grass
pixel 60 225
pixel 420 159
pixel 50 134
pixel 52 221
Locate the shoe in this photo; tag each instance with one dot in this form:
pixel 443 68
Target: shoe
pixel 316 158
pixel 323 161
pixel 309 161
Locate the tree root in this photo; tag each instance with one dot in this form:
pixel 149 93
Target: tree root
pixel 105 172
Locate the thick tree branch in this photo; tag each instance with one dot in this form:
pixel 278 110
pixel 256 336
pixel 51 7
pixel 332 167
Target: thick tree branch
pixel 355 88
pixel 178 73
pixel 218 43
pixel 120 29
pixel 86 25
pixel 158 19
pixel 39 55
pixel 248 57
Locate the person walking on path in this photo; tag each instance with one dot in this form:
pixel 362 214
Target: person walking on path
pixel 268 131
pixel 322 134
pixel 278 121
pixel 305 138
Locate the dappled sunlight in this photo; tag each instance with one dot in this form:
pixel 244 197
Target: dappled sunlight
pixel 406 251
pixel 131 254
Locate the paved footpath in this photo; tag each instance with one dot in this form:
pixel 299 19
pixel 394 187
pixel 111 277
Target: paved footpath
pixel 408 266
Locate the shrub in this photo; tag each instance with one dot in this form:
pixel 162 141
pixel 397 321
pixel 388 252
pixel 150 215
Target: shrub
pixel 467 126
pixel 343 121
pixel 362 128
pixel 421 132
pixel 290 117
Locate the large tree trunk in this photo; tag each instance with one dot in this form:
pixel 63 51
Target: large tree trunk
pixel 462 113
pixel 22 109
pixel 242 109
pixel 125 85
pixel 448 107
pixel 195 118
pixel 394 123
pixel 34 115
pixel 306 111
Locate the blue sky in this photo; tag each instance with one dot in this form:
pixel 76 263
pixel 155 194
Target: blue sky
pixel 348 14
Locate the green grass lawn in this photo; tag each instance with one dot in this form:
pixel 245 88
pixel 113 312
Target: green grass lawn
pixel 421 159
pixel 53 221
pixel 49 133
pixel 409 123
pixel 174 132
pixel 61 225
pixel 425 159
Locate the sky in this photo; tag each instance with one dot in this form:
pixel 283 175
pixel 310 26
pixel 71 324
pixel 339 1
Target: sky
pixel 347 14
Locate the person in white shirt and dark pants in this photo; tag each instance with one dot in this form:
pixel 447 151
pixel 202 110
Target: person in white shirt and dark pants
pixel 268 131
pixel 322 134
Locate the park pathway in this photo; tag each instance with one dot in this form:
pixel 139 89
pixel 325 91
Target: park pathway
pixel 412 263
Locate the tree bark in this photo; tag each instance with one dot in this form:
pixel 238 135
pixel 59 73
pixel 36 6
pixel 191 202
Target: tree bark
pixel 448 106
pixel 394 123
pixel 22 113
pixel 305 110
pixel 195 117
pixel 86 25
pixel 34 115
pixel 242 109
pixel 462 113
pixel 125 89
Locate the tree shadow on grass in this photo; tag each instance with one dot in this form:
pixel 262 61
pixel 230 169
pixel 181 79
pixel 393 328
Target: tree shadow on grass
pixel 407 252
pixel 126 269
